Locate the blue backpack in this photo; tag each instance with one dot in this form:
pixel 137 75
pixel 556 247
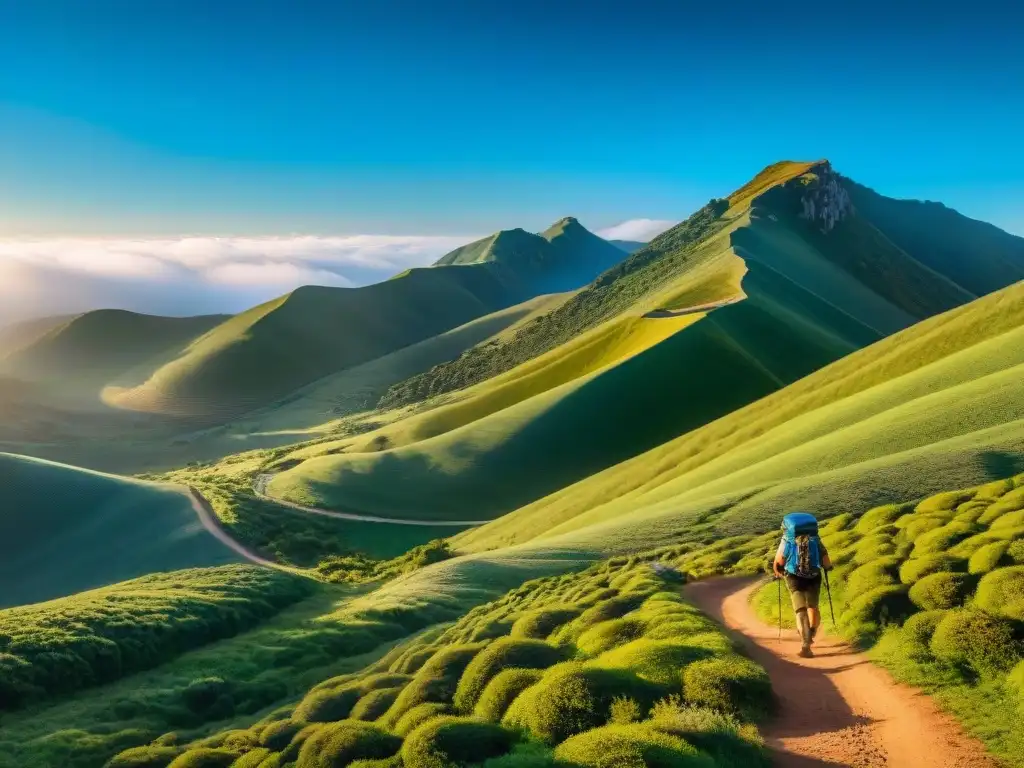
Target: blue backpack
pixel 803 547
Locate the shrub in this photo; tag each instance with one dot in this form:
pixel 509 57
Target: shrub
pixel 454 741
pixel 868 613
pixel 436 681
pixel 1015 685
pixel 873 548
pixel 502 690
pixel 943 502
pixel 624 710
pixel 630 746
pixel 541 622
pixel 489 630
pixel 411 662
pixel 1009 520
pixel 994 490
pixel 528 755
pixel 920 524
pixel 144 757
pixel 572 698
pixel 837 524
pixel 502 654
pixel 917 567
pixel 919 628
pixel 615 608
pixel 385 762
pixel 879 516
pixel 660 661
pixel 609 634
pixel 374 703
pixel 943 590
pixel 731 684
pixel 988 557
pixel 418 715
pixel 327 705
pixel 941 539
pixel 976 640
pixel 1016 552
pixel 878 573
pixel 338 744
pixel 204 758
pixel 279 734
pixel 253 759
pixel 1001 592
pixel 731 743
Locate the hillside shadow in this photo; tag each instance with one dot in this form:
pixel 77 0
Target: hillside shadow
pixel 1000 464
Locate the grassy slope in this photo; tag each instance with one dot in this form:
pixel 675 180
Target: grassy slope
pixel 936 401
pixel 519 435
pixel 92 350
pixel 17 336
pixel 65 530
pixel 974 254
pixel 280 346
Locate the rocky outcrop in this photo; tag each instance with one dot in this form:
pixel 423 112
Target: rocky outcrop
pixel 824 198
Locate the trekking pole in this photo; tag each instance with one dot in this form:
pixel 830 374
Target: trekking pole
pixel 828 591
pixel 779 582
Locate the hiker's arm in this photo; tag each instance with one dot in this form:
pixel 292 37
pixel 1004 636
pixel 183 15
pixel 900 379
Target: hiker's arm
pixel 780 559
pixel 826 561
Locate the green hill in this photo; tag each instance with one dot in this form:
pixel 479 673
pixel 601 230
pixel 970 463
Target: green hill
pixel 278 347
pixel 18 335
pixel 90 351
pixel 602 378
pixel 563 257
pixel 64 530
pixel 936 406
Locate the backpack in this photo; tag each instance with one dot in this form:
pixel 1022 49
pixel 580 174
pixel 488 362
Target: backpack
pixel 803 547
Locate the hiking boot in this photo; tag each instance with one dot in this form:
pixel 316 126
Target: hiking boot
pixel 806 652
pixel 814 634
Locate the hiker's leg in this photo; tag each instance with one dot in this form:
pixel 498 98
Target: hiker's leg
pixel 803 624
pixel 815 616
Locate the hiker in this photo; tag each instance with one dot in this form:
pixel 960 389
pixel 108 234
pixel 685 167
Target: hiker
pixel 799 559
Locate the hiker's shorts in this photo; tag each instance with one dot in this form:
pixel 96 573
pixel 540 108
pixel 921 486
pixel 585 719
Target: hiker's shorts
pixel 803 592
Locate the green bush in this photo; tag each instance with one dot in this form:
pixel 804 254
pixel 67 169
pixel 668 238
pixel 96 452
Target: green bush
pixel 448 741
pixel 917 567
pixel 291 752
pixel 418 715
pixel 144 757
pixel 614 608
pixel 731 684
pixel 939 591
pixel 1001 592
pixel 731 743
pixel 204 758
pixel 253 759
pixel 878 573
pixel 624 710
pixel 436 681
pixel 327 705
pixel 944 502
pixel 528 755
pixel 502 690
pixel 837 524
pixel 338 744
pixel 994 490
pixel 988 557
pixel 1009 520
pixel 502 654
pixel 919 629
pixel 660 661
pixel 942 539
pixel 541 622
pixel 609 634
pixel 873 548
pixel 1015 685
pixel 572 698
pixel 411 662
pixel 1016 552
pixel 976 640
pixel 374 703
pixel 279 734
pixel 385 762
pixel 630 746
pixel 916 525
pixel 879 516
pixel 868 613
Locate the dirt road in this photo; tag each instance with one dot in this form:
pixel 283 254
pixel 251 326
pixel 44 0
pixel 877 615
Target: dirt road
pixel 209 520
pixel 659 313
pixel 259 488
pixel 838 709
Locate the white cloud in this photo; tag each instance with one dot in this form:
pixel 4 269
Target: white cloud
pixel 639 230
pixel 192 274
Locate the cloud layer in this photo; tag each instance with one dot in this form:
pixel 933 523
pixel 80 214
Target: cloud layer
pixel 194 274
pixel 637 230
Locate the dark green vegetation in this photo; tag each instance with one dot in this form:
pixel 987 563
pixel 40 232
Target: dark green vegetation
pixel 64 530
pixel 650 691
pixel 935 590
pixel 99 636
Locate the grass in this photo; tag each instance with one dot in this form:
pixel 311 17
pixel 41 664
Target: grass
pixel 548 711
pixel 102 635
pixel 66 530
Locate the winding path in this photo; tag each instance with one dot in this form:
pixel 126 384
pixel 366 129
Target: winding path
pixel 838 709
pixel 259 488
pixel 209 520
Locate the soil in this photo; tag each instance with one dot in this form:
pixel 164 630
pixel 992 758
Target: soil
pixel 837 708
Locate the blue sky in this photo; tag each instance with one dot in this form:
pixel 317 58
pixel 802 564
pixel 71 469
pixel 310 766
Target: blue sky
pixel 163 118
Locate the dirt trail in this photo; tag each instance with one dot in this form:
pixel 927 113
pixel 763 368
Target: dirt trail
pixel 838 709
pixel 259 488
pixel 661 313
pixel 209 521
